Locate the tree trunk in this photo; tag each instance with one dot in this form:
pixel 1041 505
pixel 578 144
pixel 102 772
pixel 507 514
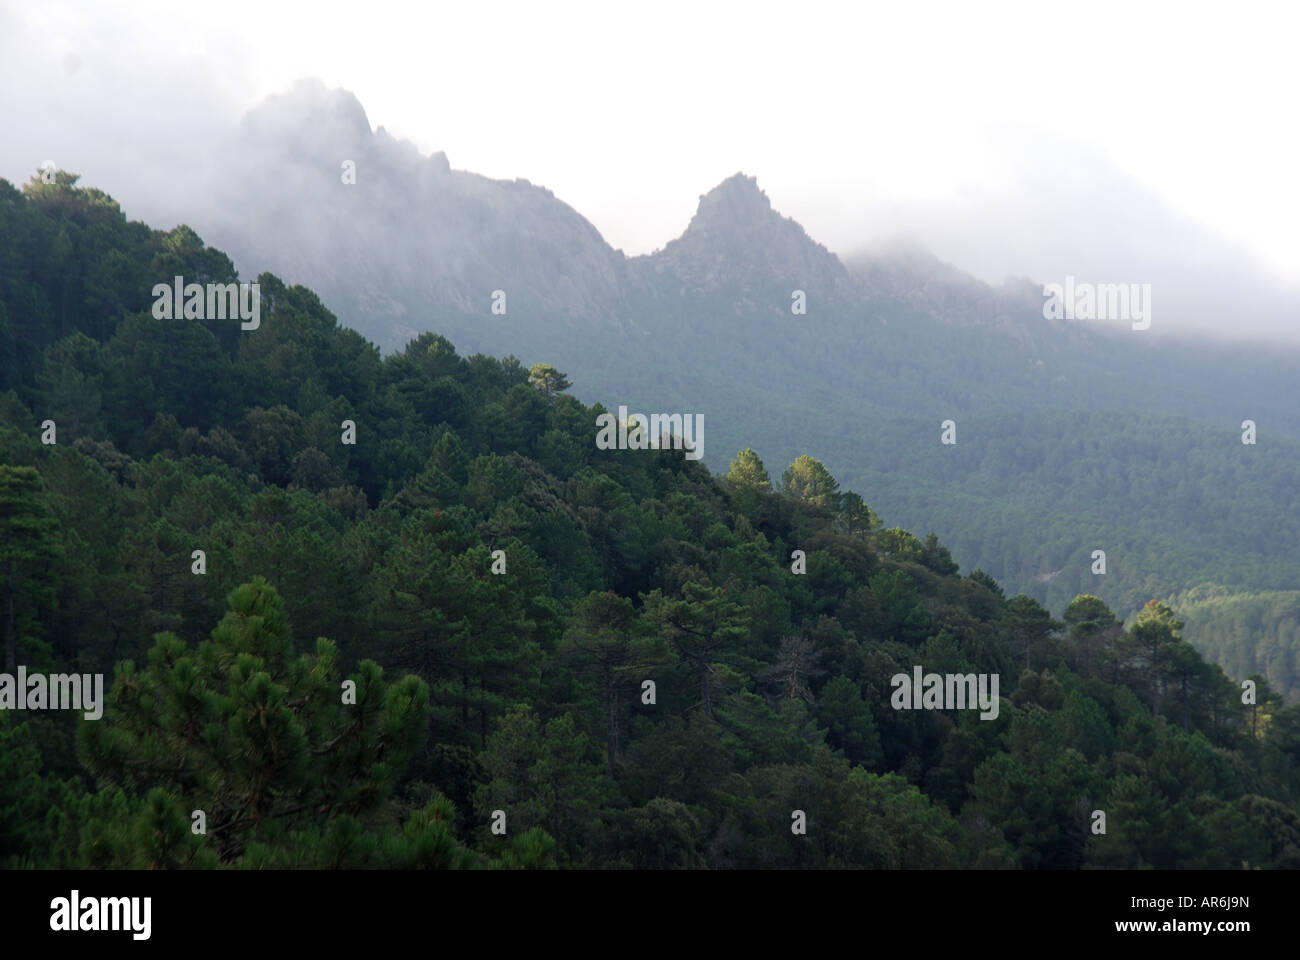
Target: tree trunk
pixel 611 731
pixel 482 712
pixel 11 630
pixel 1155 681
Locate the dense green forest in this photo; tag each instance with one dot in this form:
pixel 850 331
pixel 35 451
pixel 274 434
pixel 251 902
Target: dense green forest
pixel 1046 469
pixel 1247 631
pixel 1171 502
pixel 1072 437
pixel 395 644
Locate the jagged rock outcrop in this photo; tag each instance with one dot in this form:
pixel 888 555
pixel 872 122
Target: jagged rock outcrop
pixel 414 245
pixel 737 242
pixel 411 242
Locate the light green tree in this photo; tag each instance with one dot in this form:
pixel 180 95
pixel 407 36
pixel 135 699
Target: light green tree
pixel 747 470
pixel 809 480
pixel 547 379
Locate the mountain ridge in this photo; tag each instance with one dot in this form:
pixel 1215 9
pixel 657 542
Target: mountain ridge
pixel 568 269
pixel 890 346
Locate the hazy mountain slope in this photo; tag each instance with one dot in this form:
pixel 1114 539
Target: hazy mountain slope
pixel 493 585
pixel 1071 436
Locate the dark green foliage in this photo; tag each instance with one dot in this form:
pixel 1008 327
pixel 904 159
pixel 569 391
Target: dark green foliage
pixel 609 647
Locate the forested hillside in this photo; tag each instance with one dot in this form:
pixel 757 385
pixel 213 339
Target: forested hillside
pixel 1071 436
pixel 615 656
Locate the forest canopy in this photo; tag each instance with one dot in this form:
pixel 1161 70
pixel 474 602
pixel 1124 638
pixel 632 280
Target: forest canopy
pixel 473 639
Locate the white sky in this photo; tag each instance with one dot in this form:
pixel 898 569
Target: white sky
pixel 859 119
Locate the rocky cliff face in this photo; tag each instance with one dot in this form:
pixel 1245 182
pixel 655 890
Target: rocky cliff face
pixel 412 242
pixel 737 243
pixel 413 245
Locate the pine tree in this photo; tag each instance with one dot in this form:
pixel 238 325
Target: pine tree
pixel 1154 633
pixel 608 642
pixel 747 471
pixel 858 517
pixel 261 740
pixel 28 548
pixel 1030 625
pixel 539 775
pixel 808 480
pixel 547 379
pixel 704 627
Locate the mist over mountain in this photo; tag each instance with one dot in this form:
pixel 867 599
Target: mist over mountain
pixel 412 239
pixel 519 437
pixel 450 235
pixel 497 585
pixel 413 245
pixel 1073 434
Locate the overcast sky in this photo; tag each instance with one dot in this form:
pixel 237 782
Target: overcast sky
pixel 1092 138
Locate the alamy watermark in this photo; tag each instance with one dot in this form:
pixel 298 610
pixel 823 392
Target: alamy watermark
pixel 77 913
pixel 57 691
pixel 951 691
pixel 686 432
pixel 215 301
pixel 1098 301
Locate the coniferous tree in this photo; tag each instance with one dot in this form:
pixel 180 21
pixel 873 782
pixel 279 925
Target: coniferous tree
pixel 808 480
pixel 547 379
pixel 28 549
pixel 747 470
pixel 704 627
pixel 608 642
pixel 258 738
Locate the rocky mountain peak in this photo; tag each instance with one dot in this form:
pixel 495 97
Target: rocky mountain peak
pixel 736 200
pixel 737 239
pixel 311 116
